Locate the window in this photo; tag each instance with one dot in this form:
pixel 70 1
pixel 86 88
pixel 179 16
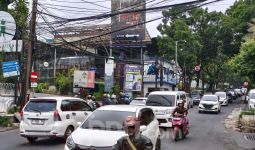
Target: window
pixel 41 106
pixel 85 107
pixel 66 105
pixel 161 100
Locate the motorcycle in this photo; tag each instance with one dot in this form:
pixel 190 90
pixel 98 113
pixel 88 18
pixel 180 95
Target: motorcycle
pixel 180 127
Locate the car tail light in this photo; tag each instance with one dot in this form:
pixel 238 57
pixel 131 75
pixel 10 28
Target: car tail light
pixel 21 115
pixel 56 116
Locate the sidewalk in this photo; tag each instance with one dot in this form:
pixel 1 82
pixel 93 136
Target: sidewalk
pixel 242 141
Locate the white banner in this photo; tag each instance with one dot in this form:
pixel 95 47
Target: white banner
pixel 10 46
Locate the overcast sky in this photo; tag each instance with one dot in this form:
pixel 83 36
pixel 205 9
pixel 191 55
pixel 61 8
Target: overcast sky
pixel 82 8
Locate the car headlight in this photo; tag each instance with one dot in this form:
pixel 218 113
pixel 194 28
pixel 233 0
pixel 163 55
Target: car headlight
pixel 200 105
pixel 70 143
pixel 168 111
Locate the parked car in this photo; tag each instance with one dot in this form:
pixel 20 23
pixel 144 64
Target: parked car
pixel 251 99
pixel 196 97
pixel 189 101
pixel 231 94
pixel 141 101
pixel 238 92
pixel 52 117
pixel 163 103
pixel 223 98
pixel 103 128
pixel 209 103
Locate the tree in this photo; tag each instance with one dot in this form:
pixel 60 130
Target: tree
pixel 244 62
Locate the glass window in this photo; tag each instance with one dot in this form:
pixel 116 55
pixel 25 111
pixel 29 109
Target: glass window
pixel 220 94
pixel 41 105
pixel 210 98
pixel 65 105
pixel 84 106
pixel 161 100
pixel 75 105
pixel 106 120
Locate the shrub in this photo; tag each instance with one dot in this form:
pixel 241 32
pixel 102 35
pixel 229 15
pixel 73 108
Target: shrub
pixel 247 112
pixel 42 87
pixel 4 122
pixel 63 84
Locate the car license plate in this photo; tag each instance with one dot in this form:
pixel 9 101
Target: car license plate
pixel 37 122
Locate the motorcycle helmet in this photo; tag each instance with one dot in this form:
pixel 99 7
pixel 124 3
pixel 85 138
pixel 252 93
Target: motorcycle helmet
pixel 180 102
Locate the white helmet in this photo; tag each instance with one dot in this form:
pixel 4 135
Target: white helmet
pixel 113 96
pixel 180 102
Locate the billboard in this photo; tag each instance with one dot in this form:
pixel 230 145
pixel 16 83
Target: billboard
pixel 122 21
pixel 133 78
pixel 108 75
pixel 85 79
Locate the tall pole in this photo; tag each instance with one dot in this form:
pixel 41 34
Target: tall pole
pixel 176 59
pixel 142 63
pixel 30 50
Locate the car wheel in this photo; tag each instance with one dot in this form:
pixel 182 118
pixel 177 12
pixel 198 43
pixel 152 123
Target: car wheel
pixel 68 132
pixel 31 139
pixel 158 144
pixel 199 111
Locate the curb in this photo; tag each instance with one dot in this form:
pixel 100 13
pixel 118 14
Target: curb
pixel 4 129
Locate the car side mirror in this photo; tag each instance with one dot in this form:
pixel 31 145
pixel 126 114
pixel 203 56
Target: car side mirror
pixel 143 128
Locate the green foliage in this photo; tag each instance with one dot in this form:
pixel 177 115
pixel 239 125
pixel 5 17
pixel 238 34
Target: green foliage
pixel 63 83
pixel 42 87
pixel 100 93
pixel 244 62
pixel 13 110
pixel 247 112
pixel 5 122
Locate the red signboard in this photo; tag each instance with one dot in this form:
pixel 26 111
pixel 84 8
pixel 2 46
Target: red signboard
pixel 34 76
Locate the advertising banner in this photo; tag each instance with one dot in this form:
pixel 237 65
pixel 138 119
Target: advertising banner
pixel 85 79
pixel 133 78
pixel 149 75
pixel 10 68
pixel 108 75
pixel 122 21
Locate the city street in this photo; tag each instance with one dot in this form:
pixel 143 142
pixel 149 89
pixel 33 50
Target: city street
pixel 206 131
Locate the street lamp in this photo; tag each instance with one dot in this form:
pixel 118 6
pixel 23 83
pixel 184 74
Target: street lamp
pixel 176 56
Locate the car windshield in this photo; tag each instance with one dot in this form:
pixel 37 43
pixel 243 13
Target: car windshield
pixel 41 106
pixel 161 100
pixel 222 95
pixel 209 98
pixel 195 95
pixel 252 95
pixel 135 101
pixel 106 120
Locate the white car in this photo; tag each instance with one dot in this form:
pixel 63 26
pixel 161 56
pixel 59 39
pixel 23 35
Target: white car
pixel 209 103
pixel 251 99
pixel 223 98
pixel 52 117
pixel 103 128
pixel 140 101
pixel 164 103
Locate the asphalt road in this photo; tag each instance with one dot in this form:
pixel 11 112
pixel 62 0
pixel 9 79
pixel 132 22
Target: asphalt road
pixel 206 133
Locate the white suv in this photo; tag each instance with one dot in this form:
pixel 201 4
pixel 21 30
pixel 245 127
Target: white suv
pixel 164 103
pixel 52 117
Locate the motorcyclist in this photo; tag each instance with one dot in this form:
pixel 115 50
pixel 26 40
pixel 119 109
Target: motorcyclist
pixel 134 140
pixel 106 100
pixel 91 102
pixel 180 109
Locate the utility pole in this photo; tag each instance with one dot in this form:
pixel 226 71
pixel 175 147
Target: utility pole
pixel 176 58
pixel 29 51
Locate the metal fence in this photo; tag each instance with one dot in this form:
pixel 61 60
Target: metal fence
pixel 6 96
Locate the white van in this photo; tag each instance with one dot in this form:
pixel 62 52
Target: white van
pixel 52 117
pixel 163 103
